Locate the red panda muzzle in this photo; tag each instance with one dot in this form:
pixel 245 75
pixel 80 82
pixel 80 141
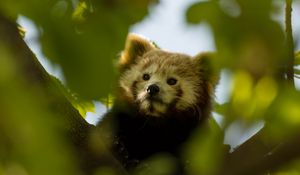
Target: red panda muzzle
pixel 153 90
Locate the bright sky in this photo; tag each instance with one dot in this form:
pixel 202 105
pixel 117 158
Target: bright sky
pixel 166 26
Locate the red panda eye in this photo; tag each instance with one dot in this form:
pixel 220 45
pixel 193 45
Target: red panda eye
pixel 146 77
pixel 171 81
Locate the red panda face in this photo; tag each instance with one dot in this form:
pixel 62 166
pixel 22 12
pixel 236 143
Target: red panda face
pixel 158 81
pixel 162 81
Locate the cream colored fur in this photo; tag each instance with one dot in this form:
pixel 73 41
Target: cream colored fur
pixel 141 57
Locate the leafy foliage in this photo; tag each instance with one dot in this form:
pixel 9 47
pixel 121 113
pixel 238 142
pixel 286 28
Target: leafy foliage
pixel 83 106
pixel 26 138
pixel 252 46
pixel 244 36
pixel 84 37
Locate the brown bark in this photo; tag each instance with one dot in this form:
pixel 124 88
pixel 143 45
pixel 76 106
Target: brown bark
pixel 257 156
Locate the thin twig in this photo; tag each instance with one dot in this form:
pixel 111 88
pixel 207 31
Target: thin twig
pixel 297 76
pixel 289 43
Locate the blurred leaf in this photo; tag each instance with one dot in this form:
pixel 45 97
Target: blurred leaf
pixel 156 165
pixel 250 98
pixel 293 168
pixel 30 8
pixel 255 9
pixel 245 37
pixel 204 150
pixel 242 94
pixel 221 108
pixel 108 101
pixel 297 71
pixel 297 58
pixel 22 31
pixel 202 11
pixel 83 37
pixel 31 135
pixel 266 91
pixel 283 117
pixel 105 171
pixel 79 13
pixel 83 106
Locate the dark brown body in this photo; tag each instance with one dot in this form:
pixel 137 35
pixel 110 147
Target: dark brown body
pixel 138 136
pixel 141 124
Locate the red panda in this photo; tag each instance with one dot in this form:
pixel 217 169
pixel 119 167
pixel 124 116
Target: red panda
pixel 161 99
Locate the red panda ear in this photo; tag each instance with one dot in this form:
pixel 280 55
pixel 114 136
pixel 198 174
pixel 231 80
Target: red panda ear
pixel 204 62
pixel 135 47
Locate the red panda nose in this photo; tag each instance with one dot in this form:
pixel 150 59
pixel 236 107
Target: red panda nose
pixel 152 90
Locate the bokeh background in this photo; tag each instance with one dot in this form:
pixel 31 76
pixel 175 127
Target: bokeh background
pixel 166 25
pixel 42 117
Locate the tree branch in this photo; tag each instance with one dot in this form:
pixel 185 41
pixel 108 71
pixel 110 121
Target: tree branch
pixel 33 72
pixel 290 55
pixel 257 156
pixel 78 131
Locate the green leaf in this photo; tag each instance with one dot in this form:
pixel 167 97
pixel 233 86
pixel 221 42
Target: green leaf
pixel 79 12
pixel 22 31
pixel 204 150
pixel 297 71
pixel 84 38
pixel 87 46
pixel 201 11
pixel 297 58
pixel 221 108
pixel 83 106
pixel 283 117
pixel 108 101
